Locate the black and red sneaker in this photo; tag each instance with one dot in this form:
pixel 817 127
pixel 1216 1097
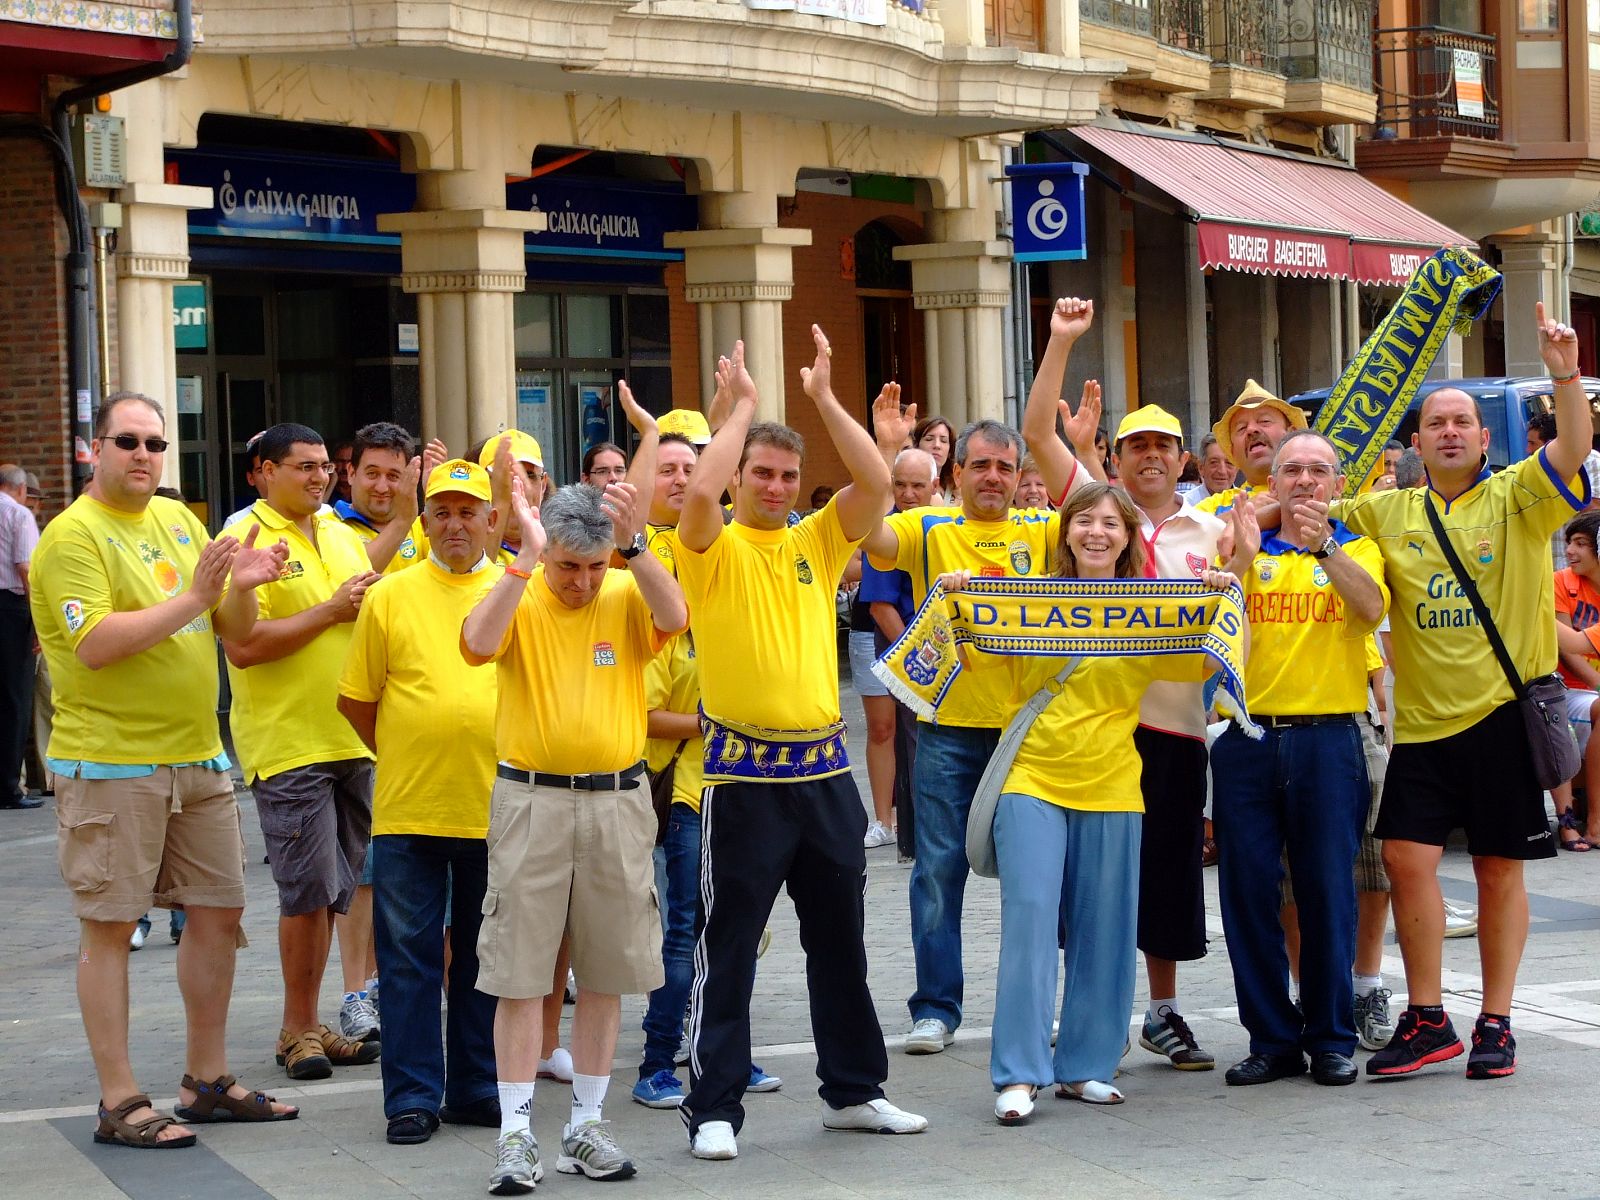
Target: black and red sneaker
pixel 1494 1050
pixel 1416 1043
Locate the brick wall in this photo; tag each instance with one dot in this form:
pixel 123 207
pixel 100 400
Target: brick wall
pixel 33 331
pixel 822 294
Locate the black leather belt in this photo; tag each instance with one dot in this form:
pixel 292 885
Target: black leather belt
pixel 1290 722
pixel 612 781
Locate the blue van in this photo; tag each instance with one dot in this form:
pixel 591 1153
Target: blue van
pixel 1507 403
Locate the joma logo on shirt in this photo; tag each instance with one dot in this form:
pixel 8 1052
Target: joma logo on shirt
pixel 604 655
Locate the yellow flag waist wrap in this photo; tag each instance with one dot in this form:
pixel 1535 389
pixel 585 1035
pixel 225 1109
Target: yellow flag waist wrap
pixel 1449 290
pixel 1065 618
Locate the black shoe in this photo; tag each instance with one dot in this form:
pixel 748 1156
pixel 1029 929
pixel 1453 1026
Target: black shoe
pixel 1264 1068
pixel 412 1128
pixel 1332 1069
pixel 485 1112
pixel 1494 1050
pixel 1415 1044
pixel 23 802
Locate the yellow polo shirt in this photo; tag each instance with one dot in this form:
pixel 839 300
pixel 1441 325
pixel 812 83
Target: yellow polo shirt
pixel 571 680
pixel 762 609
pixel 284 712
pixel 1308 655
pixel 1223 500
pixel 435 710
pixel 413 550
pixel 935 540
pixel 1446 676
pixel 157 706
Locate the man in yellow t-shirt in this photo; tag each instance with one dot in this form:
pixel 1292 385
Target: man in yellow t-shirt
pixel 1313 596
pixel 310 773
pixel 571 827
pixel 780 806
pixel 428 716
pixel 1461 756
pixel 382 509
pixel 127 589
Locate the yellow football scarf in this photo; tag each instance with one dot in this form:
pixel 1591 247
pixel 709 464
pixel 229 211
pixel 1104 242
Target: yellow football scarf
pixel 1449 291
pixel 1065 618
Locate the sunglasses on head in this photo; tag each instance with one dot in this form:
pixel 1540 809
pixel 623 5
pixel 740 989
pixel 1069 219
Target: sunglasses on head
pixel 127 441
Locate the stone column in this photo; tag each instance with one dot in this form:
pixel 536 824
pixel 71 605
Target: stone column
pixel 962 289
pixel 1528 265
pixel 463 258
pixel 152 252
pixel 739 270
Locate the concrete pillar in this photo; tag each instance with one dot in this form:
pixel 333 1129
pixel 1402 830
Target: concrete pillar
pixel 463 258
pixel 961 289
pixel 152 252
pixel 1245 320
pixel 1528 265
pixel 1196 343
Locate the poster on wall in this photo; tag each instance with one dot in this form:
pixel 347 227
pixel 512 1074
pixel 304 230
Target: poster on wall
pixel 594 403
pixel 1469 84
pixel 533 411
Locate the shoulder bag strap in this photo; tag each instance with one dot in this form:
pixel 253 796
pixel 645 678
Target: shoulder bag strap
pixel 676 755
pixel 1513 677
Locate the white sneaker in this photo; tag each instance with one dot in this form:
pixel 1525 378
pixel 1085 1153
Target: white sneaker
pixel 558 1066
pixel 714 1140
pixel 1460 920
pixel 878 834
pixel 875 1116
pixel 929 1036
pixel 136 941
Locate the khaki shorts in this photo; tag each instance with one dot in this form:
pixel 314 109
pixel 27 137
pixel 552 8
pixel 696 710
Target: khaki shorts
pixel 579 862
pixel 168 840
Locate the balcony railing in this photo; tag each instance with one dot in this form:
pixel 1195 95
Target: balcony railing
pixel 1328 40
pixel 1182 24
pixel 1247 33
pixel 1130 16
pixel 1434 82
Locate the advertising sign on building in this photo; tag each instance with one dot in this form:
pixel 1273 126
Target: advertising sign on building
pixel 189 315
pixel 1047 220
pixel 1469 84
pixel 597 218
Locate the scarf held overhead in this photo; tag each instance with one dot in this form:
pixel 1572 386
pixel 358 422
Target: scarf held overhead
pixel 1064 618
pixel 1450 290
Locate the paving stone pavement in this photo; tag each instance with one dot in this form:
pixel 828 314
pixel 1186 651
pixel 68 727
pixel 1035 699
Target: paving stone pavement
pixel 1178 1135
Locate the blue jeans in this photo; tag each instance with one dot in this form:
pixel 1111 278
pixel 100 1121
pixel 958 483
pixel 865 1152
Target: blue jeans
pixel 950 761
pixel 413 875
pixel 663 1020
pixel 1081 867
pixel 1302 789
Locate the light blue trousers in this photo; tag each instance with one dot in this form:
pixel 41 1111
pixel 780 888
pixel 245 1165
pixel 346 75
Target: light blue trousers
pixel 1060 865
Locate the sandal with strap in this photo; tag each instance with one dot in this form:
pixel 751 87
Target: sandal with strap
pixel 116 1130
pixel 1569 821
pixel 214 1104
pixel 1090 1091
pixel 302 1055
pixel 347 1052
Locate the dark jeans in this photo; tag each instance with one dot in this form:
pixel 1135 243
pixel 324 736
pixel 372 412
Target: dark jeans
pixel 1303 790
pixel 663 1020
pixel 16 690
pixel 950 762
pixel 412 875
pixel 905 760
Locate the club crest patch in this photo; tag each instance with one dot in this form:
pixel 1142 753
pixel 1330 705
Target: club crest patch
pixel 1021 558
pixel 802 569
pixel 1196 563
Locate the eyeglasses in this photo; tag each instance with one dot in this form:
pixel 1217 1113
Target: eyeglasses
pixel 127 441
pixel 309 468
pixel 608 472
pixel 1293 470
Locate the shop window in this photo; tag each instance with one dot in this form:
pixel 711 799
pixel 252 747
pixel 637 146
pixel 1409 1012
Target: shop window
pixel 1538 16
pixel 594 326
pixel 535 316
pixel 241 323
pixel 1463 15
pixel 649 325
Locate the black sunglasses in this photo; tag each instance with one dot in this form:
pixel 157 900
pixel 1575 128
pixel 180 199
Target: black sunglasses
pixel 127 441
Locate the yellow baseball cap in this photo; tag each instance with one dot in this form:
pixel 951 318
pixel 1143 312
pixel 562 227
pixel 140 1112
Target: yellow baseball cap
pixel 459 475
pixel 1253 397
pixel 524 449
pixel 1149 418
pixel 686 423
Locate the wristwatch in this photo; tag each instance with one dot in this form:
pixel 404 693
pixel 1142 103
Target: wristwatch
pixel 1329 545
pixel 634 548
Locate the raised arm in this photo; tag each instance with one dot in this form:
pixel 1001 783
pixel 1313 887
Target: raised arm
pixel 660 590
pixel 382 549
pixel 1558 346
pixel 862 502
pixel 1070 321
pixel 486 625
pixel 891 427
pixel 642 470
pixel 700 523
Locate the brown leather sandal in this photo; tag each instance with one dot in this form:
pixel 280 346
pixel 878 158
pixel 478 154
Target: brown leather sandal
pixel 214 1104
pixel 347 1052
pixel 116 1130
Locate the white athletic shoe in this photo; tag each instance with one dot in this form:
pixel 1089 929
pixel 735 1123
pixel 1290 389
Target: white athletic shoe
pixel 878 834
pixel 714 1140
pixel 875 1116
pixel 929 1036
pixel 558 1066
pixel 1460 920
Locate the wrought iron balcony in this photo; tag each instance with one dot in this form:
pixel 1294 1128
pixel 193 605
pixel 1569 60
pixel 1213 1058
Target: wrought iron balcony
pixel 1436 83
pixel 1131 16
pixel 1182 24
pixel 1328 41
pixel 1247 33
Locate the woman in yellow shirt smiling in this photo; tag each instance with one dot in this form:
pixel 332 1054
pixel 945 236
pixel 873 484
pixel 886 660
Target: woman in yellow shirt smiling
pixel 1066 834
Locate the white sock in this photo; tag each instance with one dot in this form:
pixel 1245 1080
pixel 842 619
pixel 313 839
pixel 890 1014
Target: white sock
pixel 1365 985
pixel 1154 1012
pixel 588 1095
pixel 516 1107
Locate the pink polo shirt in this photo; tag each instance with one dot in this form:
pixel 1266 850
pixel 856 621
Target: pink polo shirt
pixel 1180 547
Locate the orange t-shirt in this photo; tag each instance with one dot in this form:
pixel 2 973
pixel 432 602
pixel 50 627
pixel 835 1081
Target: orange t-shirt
pixel 1580 600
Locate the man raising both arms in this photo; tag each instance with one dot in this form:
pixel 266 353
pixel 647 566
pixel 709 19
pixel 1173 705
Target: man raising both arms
pixel 780 806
